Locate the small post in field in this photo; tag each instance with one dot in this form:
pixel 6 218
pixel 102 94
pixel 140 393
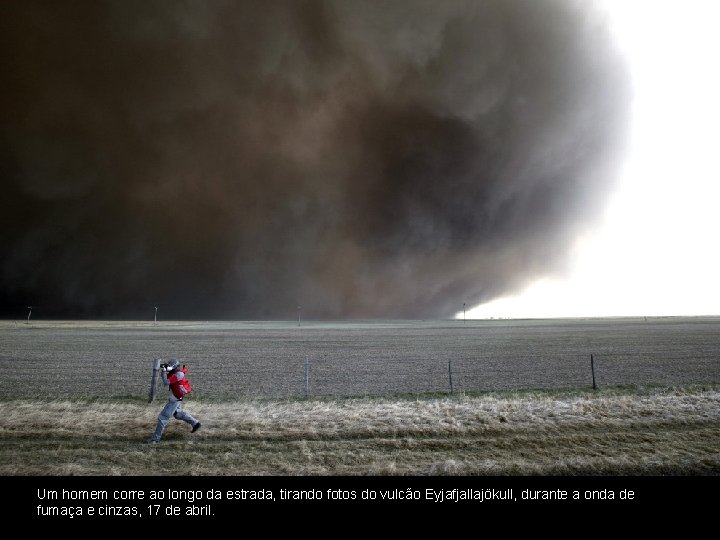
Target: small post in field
pixel 307 377
pixel 592 369
pixel 450 375
pixel 29 313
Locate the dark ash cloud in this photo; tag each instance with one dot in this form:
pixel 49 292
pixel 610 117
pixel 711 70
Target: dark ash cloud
pixel 236 159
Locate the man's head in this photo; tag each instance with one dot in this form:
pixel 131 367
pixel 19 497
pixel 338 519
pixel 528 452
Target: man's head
pixel 172 364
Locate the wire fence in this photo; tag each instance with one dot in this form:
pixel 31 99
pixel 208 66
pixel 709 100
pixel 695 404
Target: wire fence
pixel 334 377
pixel 353 360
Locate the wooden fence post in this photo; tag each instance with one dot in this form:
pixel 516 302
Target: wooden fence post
pixel 592 368
pixel 307 377
pixel 450 375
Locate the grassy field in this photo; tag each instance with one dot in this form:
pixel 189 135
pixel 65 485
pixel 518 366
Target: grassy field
pixel 621 431
pixel 74 398
pixel 241 360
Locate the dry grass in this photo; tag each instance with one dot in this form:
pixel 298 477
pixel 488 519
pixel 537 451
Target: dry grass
pixel 609 432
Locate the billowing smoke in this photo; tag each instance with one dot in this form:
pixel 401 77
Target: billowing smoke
pixel 359 158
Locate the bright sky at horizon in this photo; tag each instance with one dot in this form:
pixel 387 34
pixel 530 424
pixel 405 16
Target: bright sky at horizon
pixel 656 253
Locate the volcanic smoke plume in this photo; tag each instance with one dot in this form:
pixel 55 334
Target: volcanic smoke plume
pixel 359 158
